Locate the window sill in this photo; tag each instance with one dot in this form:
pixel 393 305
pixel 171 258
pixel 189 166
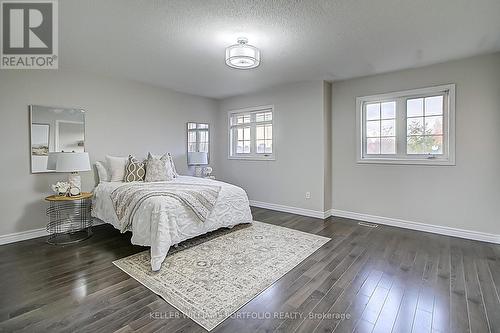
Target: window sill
pixel 438 162
pixel 252 158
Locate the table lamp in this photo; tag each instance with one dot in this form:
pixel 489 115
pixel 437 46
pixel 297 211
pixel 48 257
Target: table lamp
pixel 72 163
pixel 197 158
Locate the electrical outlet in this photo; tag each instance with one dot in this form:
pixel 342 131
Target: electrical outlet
pixel 308 195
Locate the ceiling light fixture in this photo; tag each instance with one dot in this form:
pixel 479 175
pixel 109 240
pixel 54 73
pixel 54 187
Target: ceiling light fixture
pixel 242 55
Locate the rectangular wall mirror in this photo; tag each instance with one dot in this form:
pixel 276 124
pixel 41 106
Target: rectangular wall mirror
pixel 54 129
pixel 198 142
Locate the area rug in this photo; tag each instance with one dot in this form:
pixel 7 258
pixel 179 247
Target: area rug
pixel 210 281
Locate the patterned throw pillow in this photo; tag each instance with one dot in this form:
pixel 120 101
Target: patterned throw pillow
pixel 172 165
pixel 158 169
pixel 135 170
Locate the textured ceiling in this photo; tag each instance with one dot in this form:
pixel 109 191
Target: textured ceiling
pixel 180 44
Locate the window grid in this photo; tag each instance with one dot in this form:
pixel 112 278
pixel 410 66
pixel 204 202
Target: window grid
pixel 385 123
pixel 424 136
pixel 257 140
pixel 198 138
pixel 416 135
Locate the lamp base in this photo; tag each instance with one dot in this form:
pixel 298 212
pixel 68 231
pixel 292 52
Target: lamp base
pixel 75 181
pixel 198 171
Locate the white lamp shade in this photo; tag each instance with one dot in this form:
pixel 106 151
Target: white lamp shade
pixel 52 160
pixel 72 162
pixel 197 158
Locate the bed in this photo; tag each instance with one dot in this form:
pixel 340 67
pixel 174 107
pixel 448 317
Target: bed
pixel 161 222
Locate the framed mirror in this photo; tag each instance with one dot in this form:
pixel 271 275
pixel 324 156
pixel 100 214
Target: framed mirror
pixel 54 129
pixel 198 143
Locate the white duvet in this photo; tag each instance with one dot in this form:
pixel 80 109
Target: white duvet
pixel 162 222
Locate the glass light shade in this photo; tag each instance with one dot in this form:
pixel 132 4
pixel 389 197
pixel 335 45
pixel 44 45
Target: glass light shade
pixel 242 55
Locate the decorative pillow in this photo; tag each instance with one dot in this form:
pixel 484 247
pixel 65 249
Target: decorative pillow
pixel 102 172
pixel 158 169
pixel 172 165
pixel 134 171
pixel 116 167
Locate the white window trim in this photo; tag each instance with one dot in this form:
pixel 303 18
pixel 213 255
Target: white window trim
pixel 449 125
pixel 252 156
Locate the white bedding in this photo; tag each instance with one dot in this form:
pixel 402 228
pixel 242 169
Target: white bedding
pixel 163 221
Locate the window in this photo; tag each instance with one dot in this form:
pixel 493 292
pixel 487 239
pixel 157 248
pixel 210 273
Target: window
pixel 197 138
pixel 251 133
pixel 407 127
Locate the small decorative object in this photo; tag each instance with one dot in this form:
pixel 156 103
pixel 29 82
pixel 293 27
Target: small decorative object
pixel 197 159
pixel 72 163
pixel 207 172
pixel 61 188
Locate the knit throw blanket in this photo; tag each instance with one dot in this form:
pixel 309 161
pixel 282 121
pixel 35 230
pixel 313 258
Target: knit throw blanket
pixel 128 198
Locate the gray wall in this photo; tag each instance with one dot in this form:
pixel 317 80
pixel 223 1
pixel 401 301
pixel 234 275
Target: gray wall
pixel 122 117
pixel 463 196
pixel 299 127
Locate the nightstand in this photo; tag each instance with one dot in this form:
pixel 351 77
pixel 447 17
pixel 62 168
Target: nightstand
pixel 70 219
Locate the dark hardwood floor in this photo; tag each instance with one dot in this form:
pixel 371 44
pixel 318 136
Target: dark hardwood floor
pixel 364 280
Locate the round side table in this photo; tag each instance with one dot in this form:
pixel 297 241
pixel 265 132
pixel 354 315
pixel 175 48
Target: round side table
pixel 70 219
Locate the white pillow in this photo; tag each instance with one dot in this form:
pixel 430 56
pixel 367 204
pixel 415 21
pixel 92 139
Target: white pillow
pixel 116 168
pixel 102 172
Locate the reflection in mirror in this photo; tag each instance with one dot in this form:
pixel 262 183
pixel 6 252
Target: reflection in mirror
pixel 54 129
pixel 198 139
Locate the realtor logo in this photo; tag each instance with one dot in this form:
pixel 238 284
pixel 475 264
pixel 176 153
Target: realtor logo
pixel 29 34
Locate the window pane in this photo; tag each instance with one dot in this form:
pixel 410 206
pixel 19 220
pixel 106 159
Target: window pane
pixel 415 126
pixel 204 147
pixel 243 119
pixel 246 133
pixel 239 135
pixel 203 136
pixel 259 133
pixel 202 125
pixel 434 105
pixel 388 146
pixel 269 146
pixel 434 125
pixel 246 147
pixel 191 125
pixel 269 132
pixel 373 128
pixel 239 147
pixel 192 147
pixel 388 127
pixel 373 146
pixel 415 107
pixel 372 111
pixel 388 110
pixel 425 144
pixel 191 136
pixel 261 146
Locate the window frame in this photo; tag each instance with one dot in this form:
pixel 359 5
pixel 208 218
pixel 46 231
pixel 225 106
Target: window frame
pixel 401 156
pixel 253 155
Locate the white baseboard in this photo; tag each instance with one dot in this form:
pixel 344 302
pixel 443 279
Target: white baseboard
pixel 288 209
pixel 29 234
pixel 23 235
pixel 441 230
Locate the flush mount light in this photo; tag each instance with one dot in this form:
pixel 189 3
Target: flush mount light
pixel 242 55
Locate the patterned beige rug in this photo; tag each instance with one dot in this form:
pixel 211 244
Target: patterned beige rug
pixel 210 281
